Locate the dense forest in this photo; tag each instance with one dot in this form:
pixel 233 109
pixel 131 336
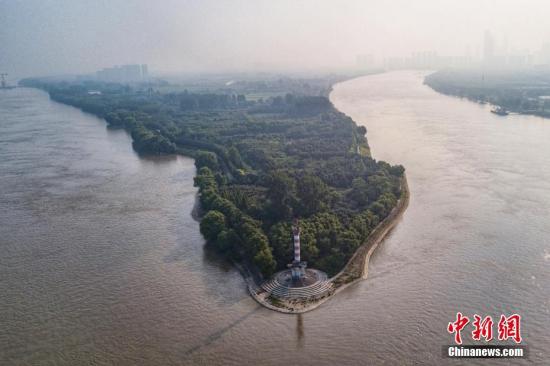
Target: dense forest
pixel 260 164
pixel 526 91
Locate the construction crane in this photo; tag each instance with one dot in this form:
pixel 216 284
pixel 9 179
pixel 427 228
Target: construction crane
pixel 3 83
pixel 3 76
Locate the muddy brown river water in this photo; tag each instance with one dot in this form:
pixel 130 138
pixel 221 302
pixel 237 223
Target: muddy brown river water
pixel 101 262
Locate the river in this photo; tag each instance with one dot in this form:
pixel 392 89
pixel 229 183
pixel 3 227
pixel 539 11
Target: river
pixel 102 262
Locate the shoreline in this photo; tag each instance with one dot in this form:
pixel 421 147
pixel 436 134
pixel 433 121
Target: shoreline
pixel 484 101
pixel 354 271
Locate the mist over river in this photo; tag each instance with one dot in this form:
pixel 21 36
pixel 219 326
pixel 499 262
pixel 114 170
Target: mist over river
pixel 102 263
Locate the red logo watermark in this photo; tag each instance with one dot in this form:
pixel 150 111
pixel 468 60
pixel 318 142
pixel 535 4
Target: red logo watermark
pixel 508 327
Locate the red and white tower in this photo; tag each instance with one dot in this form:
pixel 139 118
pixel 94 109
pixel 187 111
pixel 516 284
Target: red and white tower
pixel 297 267
pixel 296 237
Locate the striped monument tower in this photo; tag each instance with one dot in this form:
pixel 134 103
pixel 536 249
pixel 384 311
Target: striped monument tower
pixel 297 267
pixel 296 237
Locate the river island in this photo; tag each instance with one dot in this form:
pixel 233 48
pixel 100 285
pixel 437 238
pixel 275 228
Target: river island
pixel 269 170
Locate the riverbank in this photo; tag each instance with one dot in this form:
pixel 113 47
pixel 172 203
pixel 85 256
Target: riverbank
pixel 355 270
pixel 517 92
pixel 284 158
pixel 243 187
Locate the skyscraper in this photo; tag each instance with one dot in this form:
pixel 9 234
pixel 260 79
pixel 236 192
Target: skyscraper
pixel 488 47
pixel 124 73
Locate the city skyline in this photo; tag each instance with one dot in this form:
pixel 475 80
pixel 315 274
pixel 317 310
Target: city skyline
pixel 52 37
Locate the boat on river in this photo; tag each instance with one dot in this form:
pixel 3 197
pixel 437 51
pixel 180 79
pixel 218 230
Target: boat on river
pixel 500 111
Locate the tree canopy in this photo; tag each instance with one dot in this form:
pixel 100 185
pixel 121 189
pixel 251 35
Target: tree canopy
pixel 260 164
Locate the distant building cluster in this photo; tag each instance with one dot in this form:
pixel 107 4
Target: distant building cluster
pixel 488 54
pixel 124 74
pixel 503 57
pixel 365 61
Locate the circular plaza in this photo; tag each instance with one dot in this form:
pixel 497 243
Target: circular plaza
pixel 313 284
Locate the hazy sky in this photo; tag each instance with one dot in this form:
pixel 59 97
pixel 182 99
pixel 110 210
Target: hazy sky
pixel 41 37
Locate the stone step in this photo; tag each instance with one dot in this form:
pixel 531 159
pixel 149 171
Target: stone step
pixel 281 290
pixel 316 290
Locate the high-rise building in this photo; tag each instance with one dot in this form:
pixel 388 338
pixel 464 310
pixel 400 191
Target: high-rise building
pixel 545 54
pixel 365 61
pixel 488 47
pixel 124 73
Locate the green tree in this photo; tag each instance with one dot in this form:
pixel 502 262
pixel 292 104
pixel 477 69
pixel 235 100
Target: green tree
pixel 212 224
pixel 313 194
pixel 359 191
pixel 282 194
pixel 206 159
pixel 264 260
pixel 280 238
pixel 377 185
pixel 235 157
pixel 228 241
